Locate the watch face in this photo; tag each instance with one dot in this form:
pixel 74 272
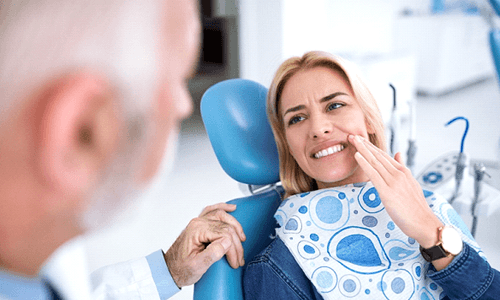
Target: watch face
pixel 451 240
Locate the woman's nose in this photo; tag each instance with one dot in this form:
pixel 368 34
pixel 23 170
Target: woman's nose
pixel 320 127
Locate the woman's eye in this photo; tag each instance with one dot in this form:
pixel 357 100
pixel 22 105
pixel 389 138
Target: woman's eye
pixel 333 106
pixel 294 120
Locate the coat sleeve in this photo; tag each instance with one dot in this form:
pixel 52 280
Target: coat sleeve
pixel 144 278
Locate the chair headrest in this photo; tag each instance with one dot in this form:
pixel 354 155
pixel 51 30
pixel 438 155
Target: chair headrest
pixel 234 114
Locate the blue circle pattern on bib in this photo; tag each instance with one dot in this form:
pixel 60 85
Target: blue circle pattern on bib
pixel 325 278
pixel 369 200
pixel 329 210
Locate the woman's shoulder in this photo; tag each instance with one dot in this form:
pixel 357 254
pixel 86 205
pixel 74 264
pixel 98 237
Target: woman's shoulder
pixel 275 253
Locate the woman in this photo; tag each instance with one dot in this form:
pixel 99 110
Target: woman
pixel 330 139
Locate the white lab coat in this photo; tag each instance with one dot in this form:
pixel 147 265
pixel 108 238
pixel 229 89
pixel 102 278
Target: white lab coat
pixel 67 270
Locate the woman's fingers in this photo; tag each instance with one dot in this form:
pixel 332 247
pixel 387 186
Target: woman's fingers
pixel 374 157
pixel 389 163
pixel 369 170
pixel 399 159
pixel 397 164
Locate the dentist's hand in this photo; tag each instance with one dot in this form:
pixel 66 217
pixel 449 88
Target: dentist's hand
pixel 399 191
pixel 206 239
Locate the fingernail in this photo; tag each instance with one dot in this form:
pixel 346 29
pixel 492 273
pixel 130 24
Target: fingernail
pixel 351 136
pixel 359 138
pixel 226 243
pixel 242 262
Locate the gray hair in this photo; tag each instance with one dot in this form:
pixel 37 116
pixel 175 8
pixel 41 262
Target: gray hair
pixel 40 39
pixel 43 39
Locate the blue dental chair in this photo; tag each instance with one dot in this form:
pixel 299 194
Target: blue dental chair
pixel 234 114
pixel 494 38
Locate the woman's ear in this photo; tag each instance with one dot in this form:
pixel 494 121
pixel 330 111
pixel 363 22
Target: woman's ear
pixel 78 131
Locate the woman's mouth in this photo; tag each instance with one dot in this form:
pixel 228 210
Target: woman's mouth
pixel 329 151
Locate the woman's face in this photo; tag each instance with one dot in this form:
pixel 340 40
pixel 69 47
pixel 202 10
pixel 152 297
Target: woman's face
pixel 319 112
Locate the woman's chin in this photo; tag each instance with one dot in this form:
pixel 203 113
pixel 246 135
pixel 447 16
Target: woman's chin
pixel 338 179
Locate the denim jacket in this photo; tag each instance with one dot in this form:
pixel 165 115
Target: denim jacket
pixel 274 274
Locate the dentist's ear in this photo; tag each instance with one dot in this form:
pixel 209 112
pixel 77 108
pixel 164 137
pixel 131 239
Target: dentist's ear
pixel 77 132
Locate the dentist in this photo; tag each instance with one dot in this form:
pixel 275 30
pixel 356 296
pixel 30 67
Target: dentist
pixel 92 94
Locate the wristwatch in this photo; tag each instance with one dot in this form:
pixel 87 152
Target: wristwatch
pixel 450 244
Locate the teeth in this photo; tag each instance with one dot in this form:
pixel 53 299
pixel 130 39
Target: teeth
pixel 331 150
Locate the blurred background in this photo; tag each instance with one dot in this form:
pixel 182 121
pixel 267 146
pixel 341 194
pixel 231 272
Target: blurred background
pixel 435 53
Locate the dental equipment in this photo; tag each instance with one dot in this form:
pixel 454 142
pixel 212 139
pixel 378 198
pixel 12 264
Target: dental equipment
pixel 449 176
pixel 393 121
pixel 479 172
pixel 394 130
pixel 393 143
pixel 462 161
pixel 439 175
pixel 412 140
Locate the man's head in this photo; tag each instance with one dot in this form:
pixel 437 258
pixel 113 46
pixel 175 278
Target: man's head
pixel 92 93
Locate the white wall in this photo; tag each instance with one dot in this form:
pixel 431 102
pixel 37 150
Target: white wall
pixel 273 30
pixel 261 39
pixel 305 27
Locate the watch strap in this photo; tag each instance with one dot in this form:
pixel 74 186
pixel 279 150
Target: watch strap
pixel 433 253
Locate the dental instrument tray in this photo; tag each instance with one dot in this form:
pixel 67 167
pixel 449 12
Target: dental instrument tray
pixel 440 177
pixel 440 171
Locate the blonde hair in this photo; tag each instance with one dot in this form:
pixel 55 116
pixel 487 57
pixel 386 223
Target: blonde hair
pixel 293 178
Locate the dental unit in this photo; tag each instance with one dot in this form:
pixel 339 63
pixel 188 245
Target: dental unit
pixel 479 172
pixel 462 161
pixel 450 177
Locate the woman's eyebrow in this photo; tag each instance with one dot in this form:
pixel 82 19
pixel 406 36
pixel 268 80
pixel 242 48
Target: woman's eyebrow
pixel 324 99
pixel 295 108
pixel 331 96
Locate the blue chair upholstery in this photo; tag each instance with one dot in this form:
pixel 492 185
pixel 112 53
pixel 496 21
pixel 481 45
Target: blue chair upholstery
pixel 494 38
pixel 234 114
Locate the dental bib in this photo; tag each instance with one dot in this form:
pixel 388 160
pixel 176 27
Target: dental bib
pixel 348 246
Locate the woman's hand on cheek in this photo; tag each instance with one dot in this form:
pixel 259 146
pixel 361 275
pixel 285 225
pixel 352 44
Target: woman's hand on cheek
pixel 400 193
